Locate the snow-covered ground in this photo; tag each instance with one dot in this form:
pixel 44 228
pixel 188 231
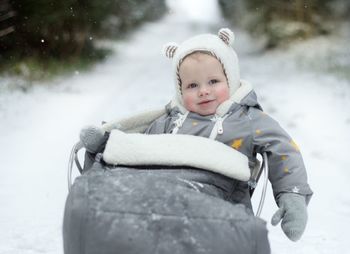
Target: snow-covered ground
pixel 38 128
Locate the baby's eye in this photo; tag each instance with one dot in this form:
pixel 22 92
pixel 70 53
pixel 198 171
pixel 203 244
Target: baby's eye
pixel 192 85
pixel 213 81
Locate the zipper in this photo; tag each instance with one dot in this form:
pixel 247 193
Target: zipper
pixel 218 128
pixel 179 122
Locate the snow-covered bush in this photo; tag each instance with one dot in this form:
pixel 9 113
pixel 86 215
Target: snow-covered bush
pixel 284 21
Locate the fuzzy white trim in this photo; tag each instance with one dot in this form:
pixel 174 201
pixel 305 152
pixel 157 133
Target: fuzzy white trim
pixel 136 123
pixel 176 150
pixel 244 89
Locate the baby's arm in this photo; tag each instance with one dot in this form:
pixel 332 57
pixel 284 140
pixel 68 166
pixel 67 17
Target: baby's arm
pixel 287 173
pixel 94 138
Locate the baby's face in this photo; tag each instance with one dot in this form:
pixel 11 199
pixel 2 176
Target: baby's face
pixel 203 83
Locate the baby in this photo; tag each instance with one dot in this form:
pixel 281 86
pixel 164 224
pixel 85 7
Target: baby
pixel 212 101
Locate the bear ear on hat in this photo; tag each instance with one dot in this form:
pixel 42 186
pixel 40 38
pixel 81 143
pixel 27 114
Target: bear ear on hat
pixel 169 49
pixel 226 35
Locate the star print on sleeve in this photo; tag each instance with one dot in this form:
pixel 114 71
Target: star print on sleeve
pixel 237 143
pixel 295 189
pixel 286 170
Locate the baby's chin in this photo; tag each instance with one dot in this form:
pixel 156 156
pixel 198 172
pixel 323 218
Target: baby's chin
pixel 203 109
pixel 206 112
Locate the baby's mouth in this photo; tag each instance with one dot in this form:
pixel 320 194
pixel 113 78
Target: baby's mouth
pixel 205 102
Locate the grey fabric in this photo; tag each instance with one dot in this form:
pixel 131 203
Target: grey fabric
pixel 93 138
pixel 89 160
pixel 249 130
pixel 293 214
pixel 75 217
pixel 150 211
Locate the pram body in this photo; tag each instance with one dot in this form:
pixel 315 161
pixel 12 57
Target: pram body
pixel 160 209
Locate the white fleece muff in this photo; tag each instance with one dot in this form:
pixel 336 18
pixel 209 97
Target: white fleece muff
pixel 134 149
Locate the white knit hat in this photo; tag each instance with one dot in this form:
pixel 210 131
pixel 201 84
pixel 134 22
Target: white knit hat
pixel 217 45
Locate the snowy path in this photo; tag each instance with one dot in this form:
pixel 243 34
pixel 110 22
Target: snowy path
pixel 39 128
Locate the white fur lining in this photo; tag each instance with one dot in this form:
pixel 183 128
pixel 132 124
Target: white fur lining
pixel 137 123
pixel 240 93
pixel 175 150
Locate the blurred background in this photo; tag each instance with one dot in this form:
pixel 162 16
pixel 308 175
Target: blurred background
pixel 40 39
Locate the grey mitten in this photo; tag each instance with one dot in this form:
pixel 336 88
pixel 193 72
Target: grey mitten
pixel 93 138
pixel 293 213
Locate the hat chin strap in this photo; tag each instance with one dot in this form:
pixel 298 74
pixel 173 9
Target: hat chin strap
pixel 242 91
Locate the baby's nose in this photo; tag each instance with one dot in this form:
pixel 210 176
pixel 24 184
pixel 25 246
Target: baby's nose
pixel 204 90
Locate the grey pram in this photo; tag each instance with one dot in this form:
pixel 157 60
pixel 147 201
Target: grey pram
pixel 159 209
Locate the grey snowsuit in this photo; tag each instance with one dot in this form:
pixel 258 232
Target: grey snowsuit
pixel 181 210
pixel 246 128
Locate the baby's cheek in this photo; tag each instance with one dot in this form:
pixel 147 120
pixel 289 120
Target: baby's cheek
pixel 223 94
pixel 188 103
